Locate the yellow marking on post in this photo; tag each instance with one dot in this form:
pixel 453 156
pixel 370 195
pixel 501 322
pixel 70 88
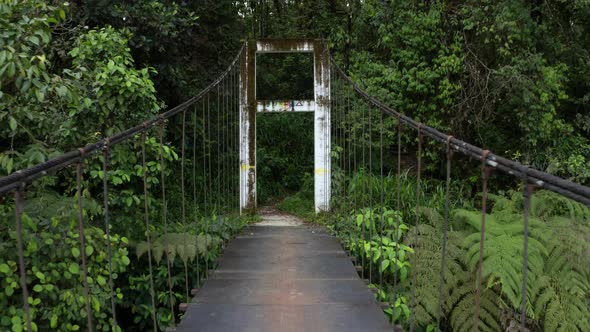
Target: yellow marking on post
pixel 245 167
pixel 321 171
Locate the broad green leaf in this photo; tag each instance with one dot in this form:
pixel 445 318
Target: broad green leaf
pixel 359 220
pixel 40 275
pixel 403 273
pixel 74 268
pixel 34 40
pixel 101 280
pixel 12 123
pixel 367 246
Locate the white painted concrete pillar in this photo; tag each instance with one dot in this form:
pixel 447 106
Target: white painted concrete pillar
pixel 248 129
pixel 320 106
pixel 322 139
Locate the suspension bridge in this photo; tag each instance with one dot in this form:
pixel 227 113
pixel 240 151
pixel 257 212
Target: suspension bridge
pixel 291 277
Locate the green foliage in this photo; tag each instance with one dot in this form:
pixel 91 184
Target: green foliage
pixel 54 273
pixel 418 74
pixel 302 203
pixel 46 109
pixel 284 76
pixel 508 75
pixel 520 59
pixel 191 247
pixel 115 89
pixel 558 270
pixel 284 153
pixel 552 274
pixel 373 235
pixel 384 250
pixel 183 40
pixel 28 90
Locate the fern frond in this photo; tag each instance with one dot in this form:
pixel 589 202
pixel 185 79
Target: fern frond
pixel 185 246
pixel 462 316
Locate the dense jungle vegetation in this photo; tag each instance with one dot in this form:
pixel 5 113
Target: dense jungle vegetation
pixel 512 76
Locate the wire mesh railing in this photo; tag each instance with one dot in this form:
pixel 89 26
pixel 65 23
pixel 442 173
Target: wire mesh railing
pixel 172 180
pixel 429 256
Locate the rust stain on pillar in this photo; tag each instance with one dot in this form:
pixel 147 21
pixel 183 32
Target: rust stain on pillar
pixel 251 93
pixel 322 140
pixel 320 106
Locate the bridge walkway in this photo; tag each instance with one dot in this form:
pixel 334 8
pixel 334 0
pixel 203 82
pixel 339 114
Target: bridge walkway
pixel 283 275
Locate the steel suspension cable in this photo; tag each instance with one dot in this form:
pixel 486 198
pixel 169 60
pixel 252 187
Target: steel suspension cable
pixel 338 138
pixel 334 140
pixel 195 206
pixel 12 181
pixel 210 188
pixel 223 147
pixel 417 230
pixel 398 208
pixel 237 133
pixel 165 220
pixel 218 157
pixel 230 140
pixel 485 173
pixel 204 132
pixel 355 165
pixel 79 171
pixel 342 160
pixel 235 105
pixel 107 226
pixel 381 199
pixel 237 139
pixel 227 145
pixel 183 204
pixel 370 178
pixel 15 181
pixel 449 154
pixel 205 177
pixel 334 144
pixel 147 229
pixel 350 147
pixel 18 211
pixel 363 204
pixel 525 254
pixel 551 182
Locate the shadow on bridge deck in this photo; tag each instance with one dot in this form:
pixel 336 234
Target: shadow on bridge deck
pixel 284 278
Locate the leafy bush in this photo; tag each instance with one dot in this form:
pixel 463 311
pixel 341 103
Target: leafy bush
pixel 53 268
pixel 558 276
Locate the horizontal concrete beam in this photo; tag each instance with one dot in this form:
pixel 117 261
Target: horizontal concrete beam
pixel 266 106
pixel 284 45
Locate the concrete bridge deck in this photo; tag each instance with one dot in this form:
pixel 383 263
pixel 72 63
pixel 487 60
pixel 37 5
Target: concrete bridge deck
pixel 281 275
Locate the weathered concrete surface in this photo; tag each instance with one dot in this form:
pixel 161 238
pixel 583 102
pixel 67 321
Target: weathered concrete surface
pixel 270 106
pixel 321 108
pixel 284 278
pixel 279 219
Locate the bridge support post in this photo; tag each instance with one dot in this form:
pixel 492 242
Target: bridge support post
pixel 322 131
pixel 321 108
pixel 248 129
